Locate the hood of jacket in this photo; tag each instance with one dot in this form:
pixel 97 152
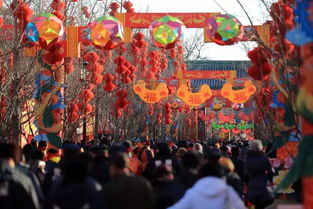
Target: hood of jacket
pixel 210 187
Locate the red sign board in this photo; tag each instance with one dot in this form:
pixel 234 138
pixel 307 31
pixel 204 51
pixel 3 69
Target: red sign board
pixel 218 74
pixel 191 20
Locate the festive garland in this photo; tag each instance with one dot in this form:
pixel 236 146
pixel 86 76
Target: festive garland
pixel 240 126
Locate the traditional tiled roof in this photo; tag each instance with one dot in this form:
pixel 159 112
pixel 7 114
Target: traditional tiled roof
pixel 239 66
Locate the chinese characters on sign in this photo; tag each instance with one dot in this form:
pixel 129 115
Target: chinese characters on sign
pixel 238 96
pixel 194 99
pixel 150 96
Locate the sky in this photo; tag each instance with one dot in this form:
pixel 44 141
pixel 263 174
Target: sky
pixel 256 10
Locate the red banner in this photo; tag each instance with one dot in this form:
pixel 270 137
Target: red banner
pixel 218 74
pixel 191 20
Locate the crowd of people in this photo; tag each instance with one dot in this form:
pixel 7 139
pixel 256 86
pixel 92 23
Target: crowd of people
pixel 135 175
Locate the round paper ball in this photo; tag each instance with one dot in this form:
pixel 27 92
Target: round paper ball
pixel 166 31
pixel 106 32
pixel 224 29
pixel 45 27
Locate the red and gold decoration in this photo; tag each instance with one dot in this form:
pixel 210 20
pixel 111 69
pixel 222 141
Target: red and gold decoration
pixel 194 99
pixel 238 96
pixel 150 96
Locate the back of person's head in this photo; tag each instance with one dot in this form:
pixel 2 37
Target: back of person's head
pixel 37 154
pixel 235 151
pixel 198 148
pixel 9 151
pixel 182 143
pixel 42 145
pixel 119 160
pixel 181 152
pixel 116 148
pixel 162 149
pixel 127 145
pixel 129 193
pixel 191 160
pixel 211 169
pixel 76 168
pixel 213 155
pixel 256 145
pixel 34 143
pixel 227 164
pixel 27 151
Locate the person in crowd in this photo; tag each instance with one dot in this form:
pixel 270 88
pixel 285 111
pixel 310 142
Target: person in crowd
pixel 191 163
pixel 118 165
pixel 42 146
pixel 24 166
pixel 75 189
pixel 52 159
pixel 16 189
pixel 54 174
pixel 259 175
pixel 145 154
pixel 180 153
pixel 37 164
pixel 128 192
pixel 135 165
pixel 198 148
pixel 100 165
pixel 211 191
pixel 162 156
pixel 238 163
pixel 232 178
pixel 225 150
pixel 166 189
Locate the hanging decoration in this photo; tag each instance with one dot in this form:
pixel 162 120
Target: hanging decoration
pixel 229 118
pixel 238 96
pixel 224 29
pixel 168 113
pixel 50 99
pixel 106 32
pixel 261 66
pixel 242 126
pixel 166 31
pixel 122 103
pixel 150 96
pixel 44 29
pixel 206 117
pixel 194 99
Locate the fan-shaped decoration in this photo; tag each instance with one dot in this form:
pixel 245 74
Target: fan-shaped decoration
pixel 106 32
pixel 224 29
pixel 238 96
pixel 194 99
pixel 150 96
pixel 166 31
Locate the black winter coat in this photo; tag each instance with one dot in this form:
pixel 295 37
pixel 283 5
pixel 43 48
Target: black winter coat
pixel 259 173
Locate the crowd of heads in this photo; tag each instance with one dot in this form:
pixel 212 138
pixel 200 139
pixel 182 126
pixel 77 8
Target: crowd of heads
pixel 128 174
